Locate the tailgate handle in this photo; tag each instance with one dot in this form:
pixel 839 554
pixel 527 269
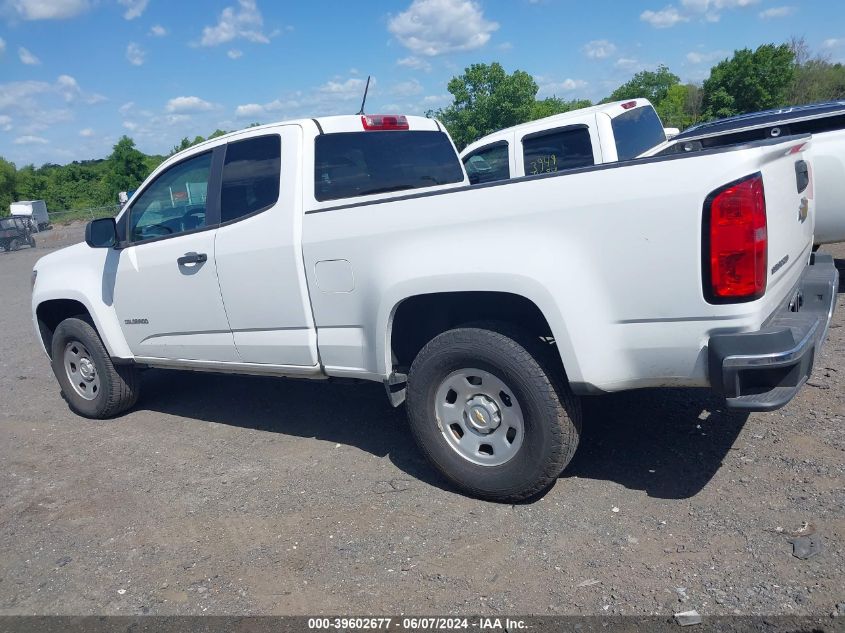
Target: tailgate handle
pixel 192 258
pixel 802 175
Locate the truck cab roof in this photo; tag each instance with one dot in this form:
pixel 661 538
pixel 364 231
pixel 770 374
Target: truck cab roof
pixel 764 118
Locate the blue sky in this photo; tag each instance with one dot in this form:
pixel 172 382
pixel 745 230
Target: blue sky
pixel 77 74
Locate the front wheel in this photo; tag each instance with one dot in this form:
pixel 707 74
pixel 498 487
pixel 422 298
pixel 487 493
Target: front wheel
pixel 91 383
pixel 490 411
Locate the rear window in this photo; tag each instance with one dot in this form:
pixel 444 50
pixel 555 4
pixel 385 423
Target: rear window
pixel 350 164
pixel 636 131
pixel 549 152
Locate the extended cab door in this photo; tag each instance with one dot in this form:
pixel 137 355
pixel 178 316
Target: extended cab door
pixel 166 292
pixel 259 249
pixel 558 149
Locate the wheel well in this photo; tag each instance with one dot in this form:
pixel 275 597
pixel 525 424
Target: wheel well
pixel 51 313
pixel 419 319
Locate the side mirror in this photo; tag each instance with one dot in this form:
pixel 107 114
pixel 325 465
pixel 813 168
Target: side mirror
pixel 101 233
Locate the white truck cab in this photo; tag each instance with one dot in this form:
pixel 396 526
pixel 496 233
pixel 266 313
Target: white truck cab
pixel 580 138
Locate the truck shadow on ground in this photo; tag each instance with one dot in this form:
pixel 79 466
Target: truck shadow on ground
pixel 840 266
pixel 626 436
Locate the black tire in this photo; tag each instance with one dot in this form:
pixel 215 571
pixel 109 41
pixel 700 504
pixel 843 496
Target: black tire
pixel 31 242
pixel 119 384
pixel 552 413
pixel 14 245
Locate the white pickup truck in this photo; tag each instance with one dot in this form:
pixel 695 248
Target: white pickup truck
pixel 599 134
pixel 354 247
pixel 825 121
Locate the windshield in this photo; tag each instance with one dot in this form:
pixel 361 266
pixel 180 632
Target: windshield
pixel 637 131
pixel 352 164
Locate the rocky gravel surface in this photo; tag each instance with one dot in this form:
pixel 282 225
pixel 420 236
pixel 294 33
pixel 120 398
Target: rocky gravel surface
pixel 238 495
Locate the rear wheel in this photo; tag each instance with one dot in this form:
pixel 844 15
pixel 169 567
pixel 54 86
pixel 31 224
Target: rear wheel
pixel 14 245
pixel 31 242
pixel 492 412
pixel 91 383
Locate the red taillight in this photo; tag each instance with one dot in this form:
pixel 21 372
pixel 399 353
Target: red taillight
pixel 738 242
pixel 384 122
pixel 629 104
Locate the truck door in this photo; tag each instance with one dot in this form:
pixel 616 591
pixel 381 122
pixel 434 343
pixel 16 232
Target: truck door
pixel 259 250
pixel 166 292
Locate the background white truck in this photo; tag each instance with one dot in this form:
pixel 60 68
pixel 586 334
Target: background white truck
pixel 354 247
pixel 34 210
pixel 825 121
pixel 580 138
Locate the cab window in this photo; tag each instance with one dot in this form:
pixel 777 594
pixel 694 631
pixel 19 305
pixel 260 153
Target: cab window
pixel 549 152
pixel 174 203
pixel 250 177
pixel 488 164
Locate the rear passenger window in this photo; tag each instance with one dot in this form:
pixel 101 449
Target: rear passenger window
pixel 349 164
pixel 557 150
pixel 488 164
pixel 251 175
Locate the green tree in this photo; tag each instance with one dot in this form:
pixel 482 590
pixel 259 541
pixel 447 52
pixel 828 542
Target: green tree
pixel 681 107
pixel 8 184
pixel 486 99
pixel 554 105
pixel 128 167
pixel 653 85
pixel 750 81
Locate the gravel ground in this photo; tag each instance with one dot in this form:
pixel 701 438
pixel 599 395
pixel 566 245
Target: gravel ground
pixel 236 495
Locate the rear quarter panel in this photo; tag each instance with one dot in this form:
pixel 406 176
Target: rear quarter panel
pixel 612 257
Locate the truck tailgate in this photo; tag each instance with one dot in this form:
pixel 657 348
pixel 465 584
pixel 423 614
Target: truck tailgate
pixel 790 212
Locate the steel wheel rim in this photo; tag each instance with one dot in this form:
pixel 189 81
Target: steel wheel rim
pixel 81 371
pixel 479 417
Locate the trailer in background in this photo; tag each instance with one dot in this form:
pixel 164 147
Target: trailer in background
pixel 34 210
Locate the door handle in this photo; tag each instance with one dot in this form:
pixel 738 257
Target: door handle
pixel 192 258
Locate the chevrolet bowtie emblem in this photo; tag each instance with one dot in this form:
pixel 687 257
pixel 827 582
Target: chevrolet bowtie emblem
pixel 479 417
pixel 803 209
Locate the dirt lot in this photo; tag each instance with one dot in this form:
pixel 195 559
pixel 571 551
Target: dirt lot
pixel 233 495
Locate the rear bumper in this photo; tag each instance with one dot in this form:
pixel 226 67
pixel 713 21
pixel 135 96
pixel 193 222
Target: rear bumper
pixel 763 370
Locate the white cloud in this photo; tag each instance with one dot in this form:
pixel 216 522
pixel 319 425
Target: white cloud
pixel 126 107
pixel 2 46
pixel 250 110
pixel 549 88
pixel 30 140
pixel 349 89
pixel 406 88
pixel 48 9
pixel 134 8
pixel 435 27
pixel 130 125
pixel 5 122
pixel 708 10
pixel 627 63
pixel 158 30
pixel 777 12
pixel 414 63
pixel 135 54
pixel 663 19
pixel 336 96
pixel 185 105
pixel 696 57
pixel 599 49
pixel 833 42
pixel 234 53
pixel 86 133
pixel 28 58
pixel 246 23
